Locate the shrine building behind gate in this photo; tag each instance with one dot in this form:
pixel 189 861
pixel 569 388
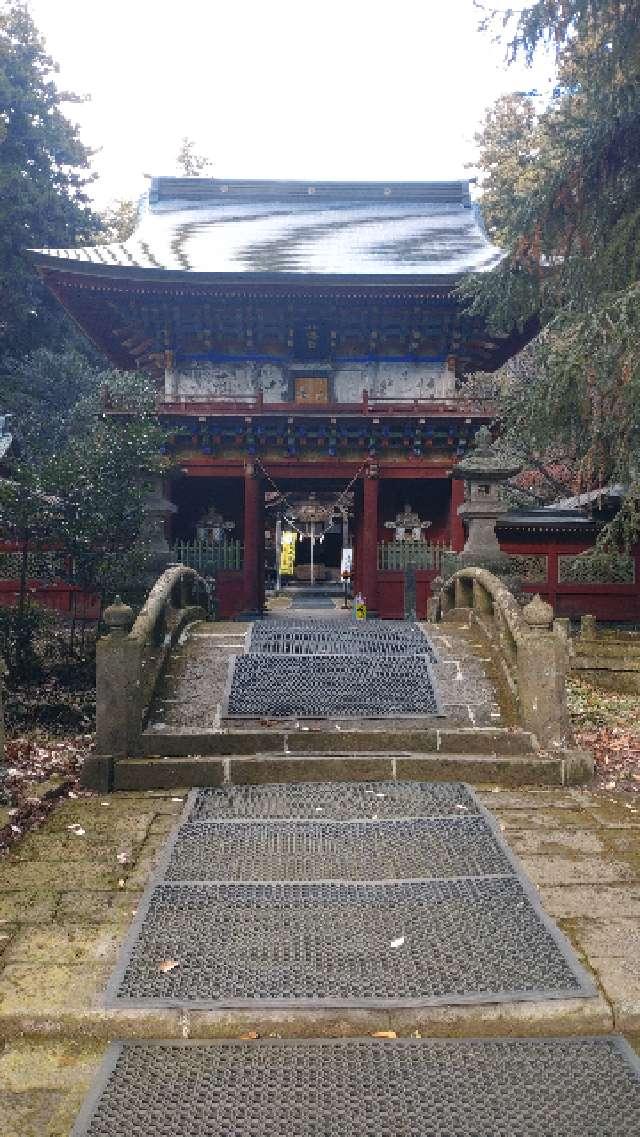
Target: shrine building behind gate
pixel 309 350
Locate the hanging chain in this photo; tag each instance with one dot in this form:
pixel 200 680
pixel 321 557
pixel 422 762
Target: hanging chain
pixel 340 498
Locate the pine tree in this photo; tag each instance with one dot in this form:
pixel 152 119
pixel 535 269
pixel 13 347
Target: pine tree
pixel 44 172
pixel 561 188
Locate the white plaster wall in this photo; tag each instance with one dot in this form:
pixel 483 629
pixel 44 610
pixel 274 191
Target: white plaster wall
pixel 273 381
pixel 227 380
pixel 381 380
pixel 393 381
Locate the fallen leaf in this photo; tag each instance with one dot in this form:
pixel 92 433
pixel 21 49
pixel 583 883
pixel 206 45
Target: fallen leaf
pixel 121 883
pixel 122 858
pixel 168 965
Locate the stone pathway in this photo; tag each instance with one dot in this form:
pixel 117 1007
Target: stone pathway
pixel 193 693
pixel 69 891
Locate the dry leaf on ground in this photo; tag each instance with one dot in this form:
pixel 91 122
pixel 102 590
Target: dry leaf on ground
pixel 168 965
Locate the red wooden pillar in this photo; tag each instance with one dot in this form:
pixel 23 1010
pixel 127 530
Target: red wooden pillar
pixel 552 576
pixel 251 593
pixel 356 539
pixel 369 544
pixel 456 527
pixel 261 546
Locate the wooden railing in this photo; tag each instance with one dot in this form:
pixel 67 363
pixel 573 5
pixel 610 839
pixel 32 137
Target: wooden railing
pixel 457 404
pixel 209 557
pixel 394 556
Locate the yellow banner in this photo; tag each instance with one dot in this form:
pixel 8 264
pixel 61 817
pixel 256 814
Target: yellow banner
pixel 288 552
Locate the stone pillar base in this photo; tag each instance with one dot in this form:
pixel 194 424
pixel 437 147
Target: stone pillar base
pixel 97 773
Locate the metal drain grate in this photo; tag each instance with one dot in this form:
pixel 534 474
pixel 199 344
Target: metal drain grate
pixel 329 686
pixel 344 801
pixel 550 1087
pixel 322 637
pixel 325 850
pixel 344 944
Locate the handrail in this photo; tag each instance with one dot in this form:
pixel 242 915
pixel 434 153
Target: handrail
pixel 153 608
pixel 453 404
pixel 254 403
pixel 131 659
pixel 500 594
pixel 532 650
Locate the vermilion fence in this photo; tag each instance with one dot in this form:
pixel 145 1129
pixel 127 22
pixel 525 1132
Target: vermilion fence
pixel 45 567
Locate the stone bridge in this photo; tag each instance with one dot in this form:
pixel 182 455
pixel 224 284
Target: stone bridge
pixel 476 694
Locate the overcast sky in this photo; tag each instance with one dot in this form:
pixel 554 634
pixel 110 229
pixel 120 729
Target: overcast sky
pixel 342 89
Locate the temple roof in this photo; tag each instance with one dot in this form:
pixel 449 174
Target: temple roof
pixel 419 231
pixel 547 518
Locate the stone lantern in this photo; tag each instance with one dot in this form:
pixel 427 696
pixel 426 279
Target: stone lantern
pixel 483 471
pixel 157 509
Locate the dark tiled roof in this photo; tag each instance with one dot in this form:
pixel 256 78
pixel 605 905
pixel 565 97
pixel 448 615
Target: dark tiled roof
pixel 428 230
pixel 546 518
pixel 597 498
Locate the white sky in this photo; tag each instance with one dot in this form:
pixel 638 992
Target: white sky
pixel 335 89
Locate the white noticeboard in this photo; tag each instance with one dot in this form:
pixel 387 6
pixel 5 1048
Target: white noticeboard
pixel 346 560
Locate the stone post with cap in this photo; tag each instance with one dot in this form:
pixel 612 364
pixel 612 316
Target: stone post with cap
pixel 118 709
pixel 542 665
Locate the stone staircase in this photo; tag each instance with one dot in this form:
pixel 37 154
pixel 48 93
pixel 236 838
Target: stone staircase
pixel 476 739
pixel 488 696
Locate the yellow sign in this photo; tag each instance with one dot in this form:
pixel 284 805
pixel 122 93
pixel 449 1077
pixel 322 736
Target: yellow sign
pixel 361 611
pixel 288 553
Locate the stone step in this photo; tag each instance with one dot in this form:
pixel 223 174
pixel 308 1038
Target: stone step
pixel 346 739
pixel 84 1016
pixel 156 772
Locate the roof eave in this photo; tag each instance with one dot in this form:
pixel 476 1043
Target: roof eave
pixel 52 263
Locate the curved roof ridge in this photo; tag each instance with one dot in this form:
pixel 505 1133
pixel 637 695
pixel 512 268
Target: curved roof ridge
pixel 167 188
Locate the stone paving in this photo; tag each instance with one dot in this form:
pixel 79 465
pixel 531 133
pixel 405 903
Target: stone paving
pixel 67 896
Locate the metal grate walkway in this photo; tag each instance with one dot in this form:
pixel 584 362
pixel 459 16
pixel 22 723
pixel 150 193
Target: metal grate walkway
pixel 344 944
pixel 586 1087
pixel 316 669
pixel 330 686
pixel 347 801
pixel 344 850
pixel 292 911
pixel 323 637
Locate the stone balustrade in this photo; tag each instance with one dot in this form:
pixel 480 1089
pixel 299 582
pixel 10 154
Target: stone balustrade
pixel 608 658
pixel 532 653
pixel 130 660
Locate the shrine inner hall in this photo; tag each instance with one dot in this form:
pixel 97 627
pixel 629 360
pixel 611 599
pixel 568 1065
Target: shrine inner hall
pixel 310 355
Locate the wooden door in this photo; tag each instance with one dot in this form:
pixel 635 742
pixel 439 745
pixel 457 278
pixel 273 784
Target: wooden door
pixel 308 390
